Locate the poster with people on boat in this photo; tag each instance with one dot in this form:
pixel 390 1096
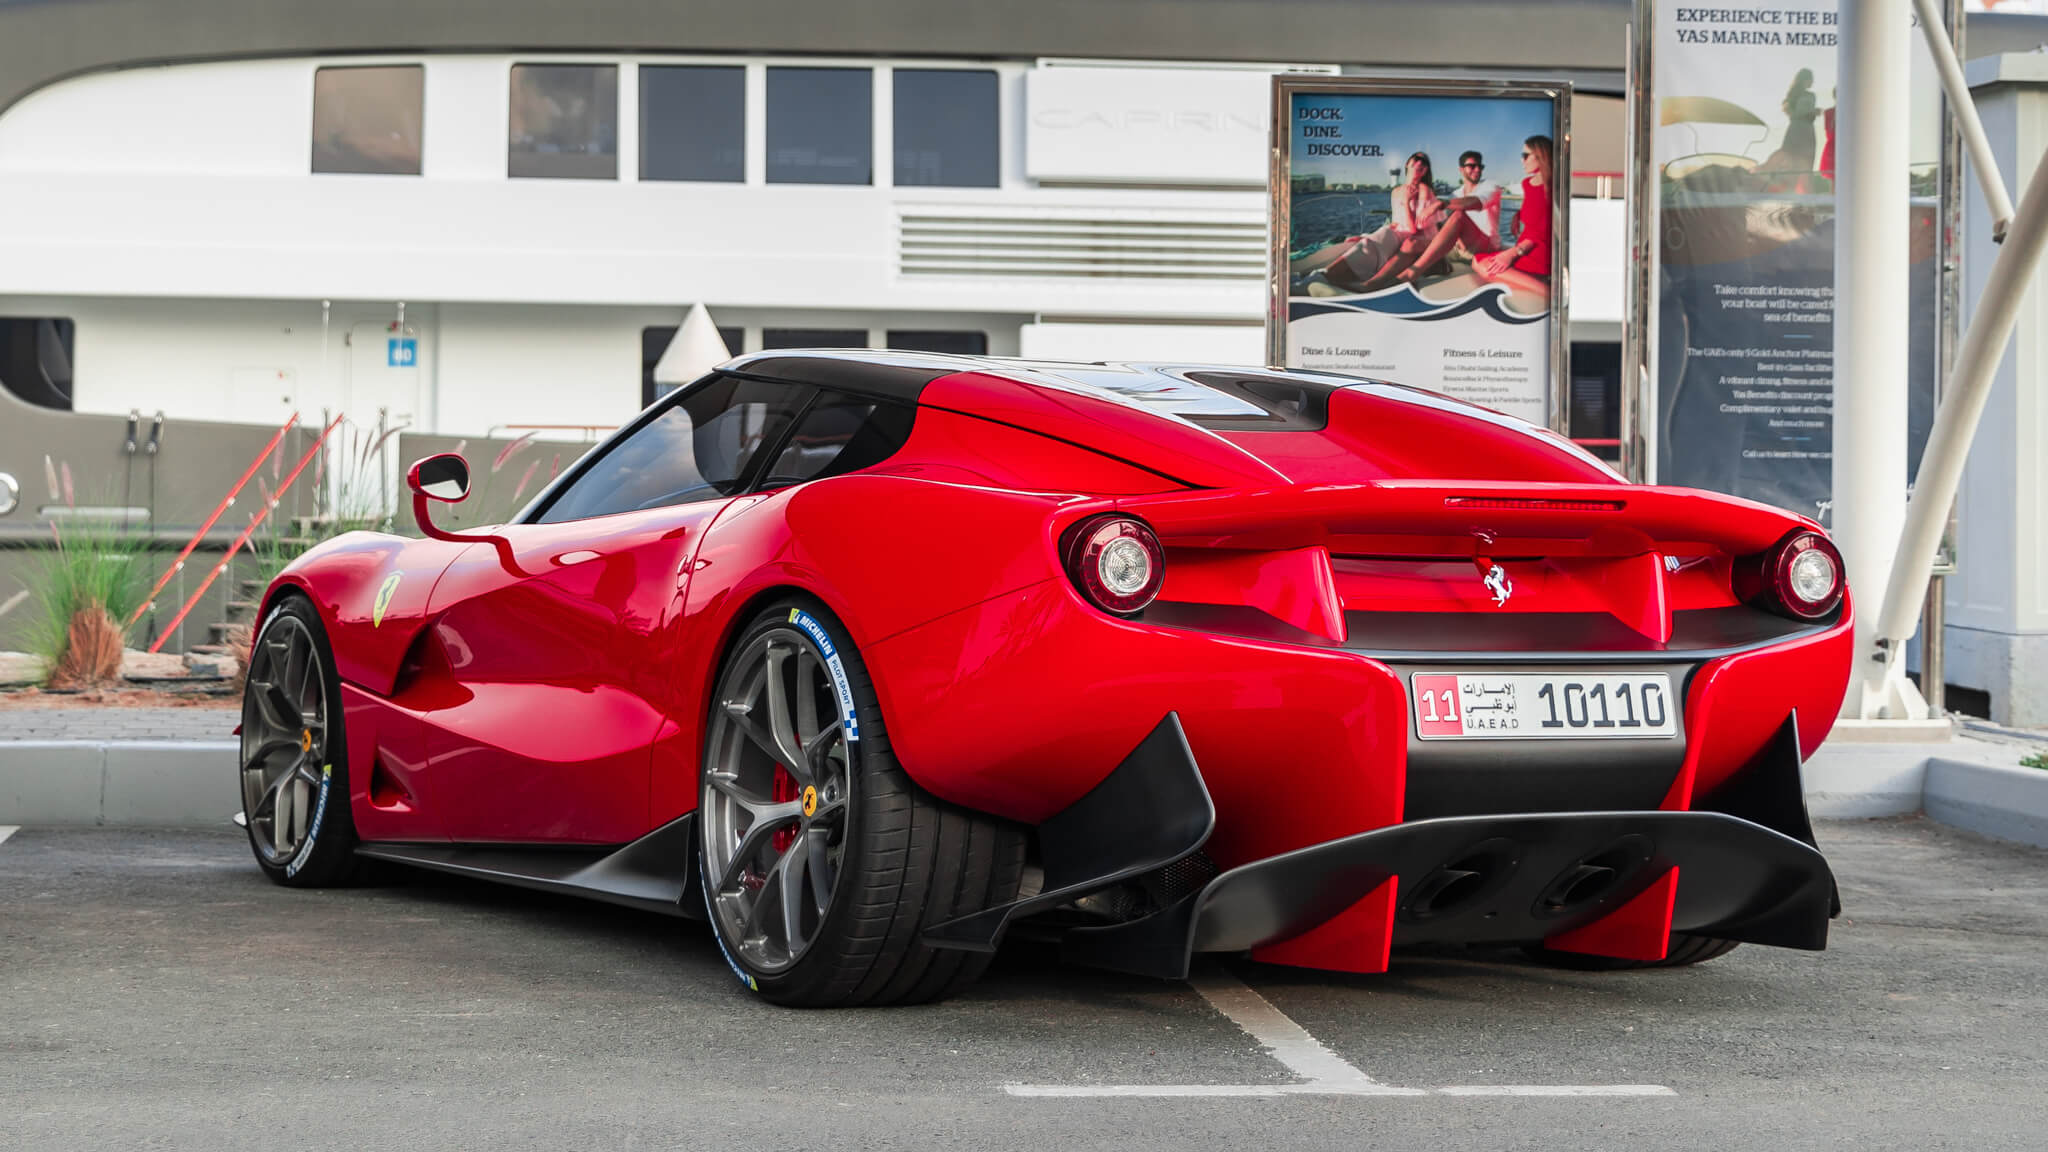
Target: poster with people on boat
pixel 1417 236
pixel 1743 142
pixel 1744 147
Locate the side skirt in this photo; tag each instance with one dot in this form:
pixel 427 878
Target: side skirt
pixel 656 873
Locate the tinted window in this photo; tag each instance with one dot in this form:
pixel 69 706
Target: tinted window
pixel 772 338
pixel 699 449
pixel 840 434
pixel 952 343
pixel 821 126
pixel 693 123
pixel 946 129
pixel 565 121
pixel 367 119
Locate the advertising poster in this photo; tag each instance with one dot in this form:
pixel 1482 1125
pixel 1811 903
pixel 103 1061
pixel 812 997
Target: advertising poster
pixel 1417 238
pixel 1743 150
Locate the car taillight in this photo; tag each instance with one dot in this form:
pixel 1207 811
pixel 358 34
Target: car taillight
pixel 1800 576
pixel 1116 562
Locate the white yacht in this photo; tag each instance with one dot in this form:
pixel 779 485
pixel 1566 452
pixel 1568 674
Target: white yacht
pixel 406 217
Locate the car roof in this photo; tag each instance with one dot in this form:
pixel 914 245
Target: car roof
pixel 1203 393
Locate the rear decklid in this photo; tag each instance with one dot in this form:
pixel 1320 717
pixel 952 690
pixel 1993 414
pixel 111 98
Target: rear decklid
pixel 1407 565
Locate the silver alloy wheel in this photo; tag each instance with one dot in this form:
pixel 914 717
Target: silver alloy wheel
pixel 777 783
pixel 284 738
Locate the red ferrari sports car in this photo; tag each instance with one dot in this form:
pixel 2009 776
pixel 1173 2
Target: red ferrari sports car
pixel 871 658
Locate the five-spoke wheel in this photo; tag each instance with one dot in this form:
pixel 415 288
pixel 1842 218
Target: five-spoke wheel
pixel 823 865
pixel 293 791
pixel 776 799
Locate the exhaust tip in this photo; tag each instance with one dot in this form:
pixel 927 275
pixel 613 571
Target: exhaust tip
pixel 1594 879
pixel 1462 882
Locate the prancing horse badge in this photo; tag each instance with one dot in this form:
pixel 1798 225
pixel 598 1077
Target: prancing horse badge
pixel 1497 583
pixel 385 591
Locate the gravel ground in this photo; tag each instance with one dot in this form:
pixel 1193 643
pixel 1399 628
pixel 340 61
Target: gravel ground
pixel 207 720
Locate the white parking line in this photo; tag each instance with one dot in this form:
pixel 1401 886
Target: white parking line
pixel 1556 1090
pixel 1323 1072
pixel 1290 1043
pixel 7 830
pixel 1209 1090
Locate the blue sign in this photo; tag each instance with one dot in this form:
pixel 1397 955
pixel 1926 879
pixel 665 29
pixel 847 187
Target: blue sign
pixel 402 352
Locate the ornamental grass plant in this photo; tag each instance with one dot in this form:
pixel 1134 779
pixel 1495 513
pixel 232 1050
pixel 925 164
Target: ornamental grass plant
pixel 84 588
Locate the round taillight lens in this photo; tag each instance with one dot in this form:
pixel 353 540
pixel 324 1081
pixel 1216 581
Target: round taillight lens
pixel 1806 575
pixel 1116 562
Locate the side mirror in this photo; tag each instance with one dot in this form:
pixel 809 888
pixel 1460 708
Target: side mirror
pixel 444 477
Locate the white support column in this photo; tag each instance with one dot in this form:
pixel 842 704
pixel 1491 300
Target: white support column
pixel 1871 205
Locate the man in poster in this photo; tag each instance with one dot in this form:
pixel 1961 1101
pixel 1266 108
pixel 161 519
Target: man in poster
pixel 1474 224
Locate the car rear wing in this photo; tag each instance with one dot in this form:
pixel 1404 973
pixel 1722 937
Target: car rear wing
pixel 1451 518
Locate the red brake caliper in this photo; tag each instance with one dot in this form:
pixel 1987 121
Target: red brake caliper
pixel 783 790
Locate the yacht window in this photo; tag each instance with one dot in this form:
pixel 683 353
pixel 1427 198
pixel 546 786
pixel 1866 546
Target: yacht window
pixel 772 338
pixel 821 126
pixel 693 123
pixel 946 128
pixel 35 359
pixel 367 119
pixel 952 343
pixel 565 121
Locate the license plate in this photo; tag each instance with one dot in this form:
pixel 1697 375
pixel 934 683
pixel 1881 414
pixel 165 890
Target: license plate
pixel 1521 706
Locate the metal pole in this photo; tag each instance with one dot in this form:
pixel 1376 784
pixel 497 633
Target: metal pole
pixel 1957 89
pixel 1955 424
pixel 1933 652
pixel 1639 334
pixel 1872 216
pixel 1948 333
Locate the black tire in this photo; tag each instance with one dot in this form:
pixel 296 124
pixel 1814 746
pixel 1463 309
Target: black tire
pixel 906 861
pixel 1684 951
pixel 291 684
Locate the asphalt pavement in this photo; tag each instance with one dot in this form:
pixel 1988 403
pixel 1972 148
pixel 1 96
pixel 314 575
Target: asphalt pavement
pixel 156 990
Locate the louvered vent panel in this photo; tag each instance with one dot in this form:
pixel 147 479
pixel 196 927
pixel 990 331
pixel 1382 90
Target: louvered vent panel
pixel 992 243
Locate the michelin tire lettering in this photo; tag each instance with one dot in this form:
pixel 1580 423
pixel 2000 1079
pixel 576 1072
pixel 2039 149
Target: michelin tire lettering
pixel 840 685
pixel 313 830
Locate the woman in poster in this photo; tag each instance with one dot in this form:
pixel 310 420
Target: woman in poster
pixel 1525 266
pixel 1373 261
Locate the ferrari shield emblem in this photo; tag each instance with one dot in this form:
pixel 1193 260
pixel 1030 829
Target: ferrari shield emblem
pixel 385 592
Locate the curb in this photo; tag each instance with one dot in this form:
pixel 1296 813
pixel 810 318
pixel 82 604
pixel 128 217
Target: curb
pixel 166 783
pixel 2002 800
pixel 1849 781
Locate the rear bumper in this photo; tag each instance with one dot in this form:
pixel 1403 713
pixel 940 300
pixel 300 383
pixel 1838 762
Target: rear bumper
pixel 1020 705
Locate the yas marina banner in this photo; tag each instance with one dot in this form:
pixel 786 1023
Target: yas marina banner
pixel 1744 148
pixel 1419 236
pixel 1743 182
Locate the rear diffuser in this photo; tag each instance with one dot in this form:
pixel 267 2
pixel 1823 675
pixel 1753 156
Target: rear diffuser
pixel 1494 880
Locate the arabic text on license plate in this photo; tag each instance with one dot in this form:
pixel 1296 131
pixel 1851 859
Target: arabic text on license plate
pixel 1521 705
